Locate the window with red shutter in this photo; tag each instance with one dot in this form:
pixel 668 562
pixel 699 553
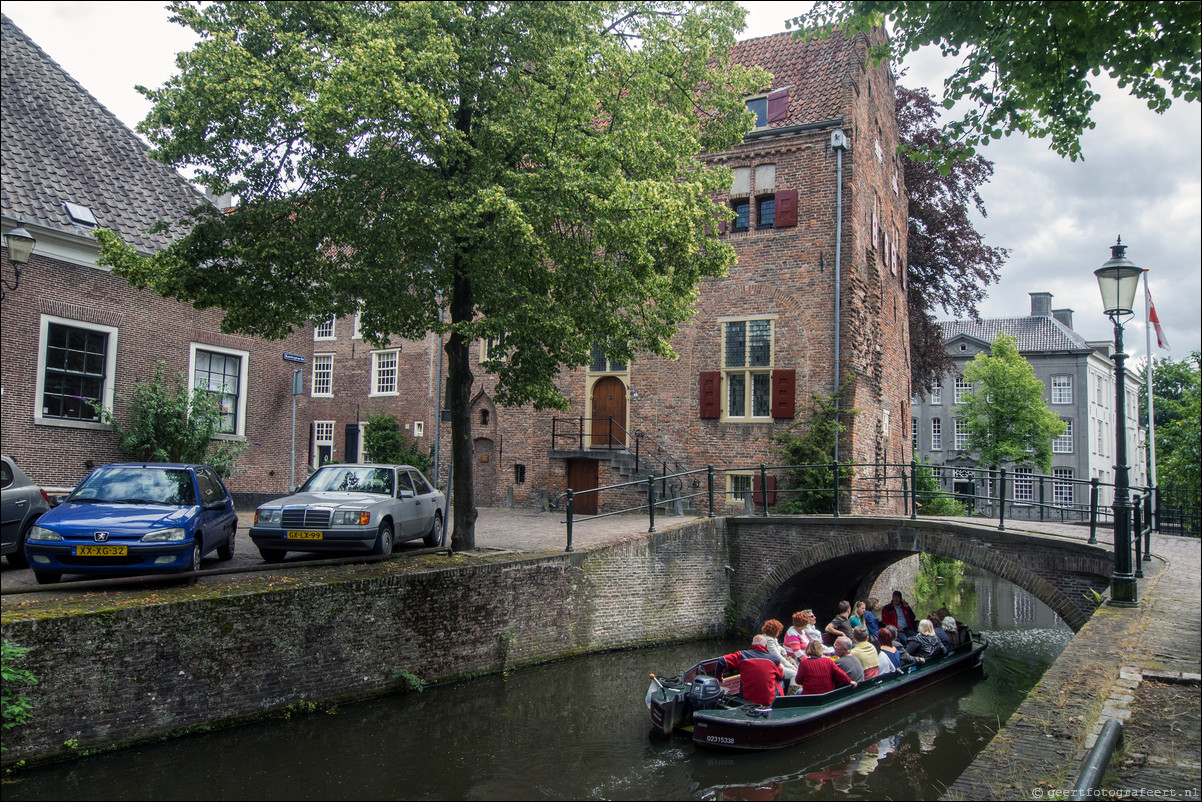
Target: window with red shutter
pixel 711 381
pixel 778 106
pixel 784 384
pixel 757 494
pixel 786 208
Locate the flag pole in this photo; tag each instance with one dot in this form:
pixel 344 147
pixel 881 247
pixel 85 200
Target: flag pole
pixel 1151 407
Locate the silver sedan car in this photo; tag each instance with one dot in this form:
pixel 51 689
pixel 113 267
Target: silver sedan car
pixel 351 508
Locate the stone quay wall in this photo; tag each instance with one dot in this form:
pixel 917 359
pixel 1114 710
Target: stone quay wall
pixel 123 676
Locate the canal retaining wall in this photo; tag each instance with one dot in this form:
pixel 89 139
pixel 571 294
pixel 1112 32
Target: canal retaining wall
pixel 127 675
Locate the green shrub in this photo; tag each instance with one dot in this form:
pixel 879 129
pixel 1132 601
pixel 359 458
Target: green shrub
pixel 931 498
pixel 386 443
pixel 17 708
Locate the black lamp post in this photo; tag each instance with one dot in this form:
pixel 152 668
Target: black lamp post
pixel 20 245
pixel 1118 280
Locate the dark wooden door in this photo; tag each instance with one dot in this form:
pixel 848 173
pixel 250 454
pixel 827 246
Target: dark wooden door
pixel 582 475
pixel 609 402
pixel 484 473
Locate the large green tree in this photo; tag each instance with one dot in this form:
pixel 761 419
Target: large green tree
pixel 1027 66
pixel 1007 420
pixel 530 166
pixel 1177 400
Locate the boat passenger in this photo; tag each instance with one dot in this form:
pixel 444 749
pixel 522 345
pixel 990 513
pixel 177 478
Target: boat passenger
pixel 818 673
pixel 850 664
pixel 925 644
pixel 865 652
pixel 871 622
pixel 772 630
pixel 900 615
pixel 795 643
pixel 898 658
pixel 937 622
pixel 884 662
pixel 857 614
pixel 759 670
pixel 840 626
pixel 953 631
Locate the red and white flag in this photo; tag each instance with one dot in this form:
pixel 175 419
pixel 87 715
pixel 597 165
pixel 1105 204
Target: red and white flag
pixel 1161 340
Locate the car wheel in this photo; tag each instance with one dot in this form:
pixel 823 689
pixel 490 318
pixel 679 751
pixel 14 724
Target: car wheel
pixel 46 579
pixel 434 536
pixel 384 539
pixel 226 550
pixel 271 555
pixel 194 566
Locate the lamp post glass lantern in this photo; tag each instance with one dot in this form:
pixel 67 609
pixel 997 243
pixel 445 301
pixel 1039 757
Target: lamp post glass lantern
pixel 1118 280
pixel 20 247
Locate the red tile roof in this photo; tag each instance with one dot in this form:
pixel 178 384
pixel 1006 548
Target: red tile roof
pixel 812 70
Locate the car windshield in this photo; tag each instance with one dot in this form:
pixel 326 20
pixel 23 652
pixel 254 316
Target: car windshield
pixel 344 478
pixel 137 485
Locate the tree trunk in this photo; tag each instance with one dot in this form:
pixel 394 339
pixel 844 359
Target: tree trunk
pixel 459 398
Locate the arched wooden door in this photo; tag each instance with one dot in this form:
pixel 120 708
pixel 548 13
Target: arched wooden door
pixel 484 472
pixel 609 402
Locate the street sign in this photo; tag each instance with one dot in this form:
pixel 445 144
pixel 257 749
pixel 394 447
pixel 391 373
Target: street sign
pixel 293 358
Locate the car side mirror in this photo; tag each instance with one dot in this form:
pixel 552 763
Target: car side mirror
pixel 55 499
pixel 407 493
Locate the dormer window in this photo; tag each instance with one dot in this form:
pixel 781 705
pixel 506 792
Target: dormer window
pixel 770 108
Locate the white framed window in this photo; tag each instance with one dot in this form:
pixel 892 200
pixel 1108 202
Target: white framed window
pixel 963 386
pixel 1062 389
pixel 222 372
pixel 384 372
pixel 937 394
pixel 324 330
pixel 77 365
pixel 357 334
pixel 914 434
pixel 1062 487
pixel 747 354
pixel 323 375
pixel 419 428
pixel 936 434
pixel 738 488
pixel 961 434
pixel 1024 487
pixel 1064 443
pixel 492 348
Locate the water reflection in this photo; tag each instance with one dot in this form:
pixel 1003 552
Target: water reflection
pixel 578 730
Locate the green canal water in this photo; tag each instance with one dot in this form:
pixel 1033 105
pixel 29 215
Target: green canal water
pixel 578 729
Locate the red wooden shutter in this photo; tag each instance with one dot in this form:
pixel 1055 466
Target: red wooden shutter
pixel 711 381
pixel 778 105
pixel 784 386
pixel 786 208
pixel 757 489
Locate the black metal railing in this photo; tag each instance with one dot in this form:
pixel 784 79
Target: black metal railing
pixel 1178 510
pixel 599 434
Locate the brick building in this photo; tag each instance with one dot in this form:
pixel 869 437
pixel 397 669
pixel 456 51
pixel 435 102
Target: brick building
pixel 74 337
pixel 820 209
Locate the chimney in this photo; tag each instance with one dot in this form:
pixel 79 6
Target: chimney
pixel 1065 316
pixel 1041 304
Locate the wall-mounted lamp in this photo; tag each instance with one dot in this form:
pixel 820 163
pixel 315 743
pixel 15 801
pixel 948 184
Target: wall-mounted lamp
pixel 20 246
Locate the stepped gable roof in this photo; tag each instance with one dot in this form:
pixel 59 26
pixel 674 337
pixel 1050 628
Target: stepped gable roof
pixel 812 70
pixel 1034 334
pixel 60 145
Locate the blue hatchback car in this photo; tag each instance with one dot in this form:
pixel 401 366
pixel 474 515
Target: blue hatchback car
pixel 135 518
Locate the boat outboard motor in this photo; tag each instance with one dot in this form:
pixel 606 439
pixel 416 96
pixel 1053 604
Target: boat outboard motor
pixel 705 692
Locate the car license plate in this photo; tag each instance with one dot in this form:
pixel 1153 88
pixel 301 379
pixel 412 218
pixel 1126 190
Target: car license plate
pixel 290 535
pixel 100 551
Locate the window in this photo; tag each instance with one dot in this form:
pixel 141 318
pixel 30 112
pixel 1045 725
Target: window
pixel 759 107
pixel 1024 488
pixel 324 330
pixel 323 375
pixel 323 442
pixel 384 372
pixel 961 435
pixel 492 348
pixel 1062 389
pixel 937 394
pixel 936 434
pixel 599 364
pixel 769 108
pixel 221 372
pixel 914 434
pixel 1062 487
pixel 75 374
pixel 1064 443
pixel 742 214
pixel 747 367
pixel 963 386
pixel 738 488
pixel 765 213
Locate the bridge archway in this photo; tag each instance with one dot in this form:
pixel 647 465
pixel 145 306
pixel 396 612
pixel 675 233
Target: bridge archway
pixel 784 565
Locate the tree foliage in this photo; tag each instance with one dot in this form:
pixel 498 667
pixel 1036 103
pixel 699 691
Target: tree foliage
pixel 808 448
pixel 385 442
pixel 530 166
pixel 1177 400
pixel 169 423
pixel 1028 66
pixel 1007 420
pixel 931 498
pixel 950 266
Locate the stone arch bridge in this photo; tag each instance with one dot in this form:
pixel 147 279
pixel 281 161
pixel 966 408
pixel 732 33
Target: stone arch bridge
pixel 780 565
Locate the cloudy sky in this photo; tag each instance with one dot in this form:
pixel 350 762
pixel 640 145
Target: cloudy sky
pixel 1141 177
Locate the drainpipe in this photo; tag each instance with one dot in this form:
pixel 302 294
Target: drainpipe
pixel 839 143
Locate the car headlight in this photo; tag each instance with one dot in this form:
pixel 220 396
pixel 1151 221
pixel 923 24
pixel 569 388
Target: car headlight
pixel 42 533
pixel 172 535
pixel 352 518
pixel 267 516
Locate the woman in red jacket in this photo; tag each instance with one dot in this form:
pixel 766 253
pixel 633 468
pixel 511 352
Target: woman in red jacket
pixel 818 673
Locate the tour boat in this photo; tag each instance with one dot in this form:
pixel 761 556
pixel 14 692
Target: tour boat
pixel 720 719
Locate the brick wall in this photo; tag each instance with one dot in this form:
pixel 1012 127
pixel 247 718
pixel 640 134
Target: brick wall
pixel 128 675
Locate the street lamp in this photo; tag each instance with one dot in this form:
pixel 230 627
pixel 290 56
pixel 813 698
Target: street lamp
pixel 20 245
pixel 1118 279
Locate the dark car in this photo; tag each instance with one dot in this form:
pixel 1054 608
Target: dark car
pixel 351 508
pixel 135 518
pixel 21 503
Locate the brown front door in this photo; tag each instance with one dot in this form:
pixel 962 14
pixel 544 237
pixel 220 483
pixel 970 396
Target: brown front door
pixel 609 413
pixel 484 473
pixel 582 475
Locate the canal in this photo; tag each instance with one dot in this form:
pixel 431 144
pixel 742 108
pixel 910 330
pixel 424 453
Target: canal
pixel 578 729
